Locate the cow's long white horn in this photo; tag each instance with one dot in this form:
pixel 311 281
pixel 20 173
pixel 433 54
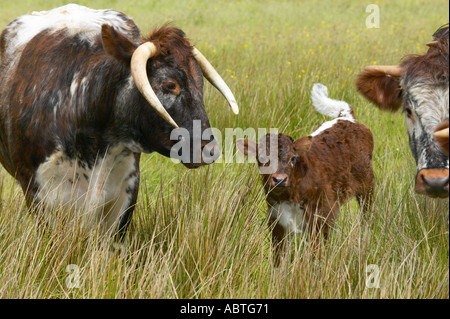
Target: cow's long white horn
pixel 442 133
pixel 394 70
pixel 215 79
pixel 139 72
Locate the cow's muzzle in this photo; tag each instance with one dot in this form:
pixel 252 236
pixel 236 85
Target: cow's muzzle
pixel 209 153
pixel 432 182
pixel 279 180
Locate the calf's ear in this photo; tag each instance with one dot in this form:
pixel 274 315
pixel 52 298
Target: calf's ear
pixel 247 147
pixel 302 145
pixel 116 44
pixel 380 88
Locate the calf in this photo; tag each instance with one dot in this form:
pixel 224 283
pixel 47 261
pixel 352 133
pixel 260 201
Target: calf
pixel 316 173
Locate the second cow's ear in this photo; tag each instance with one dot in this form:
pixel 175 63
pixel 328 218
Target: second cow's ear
pixel 380 88
pixel 303 144
pixel 247 147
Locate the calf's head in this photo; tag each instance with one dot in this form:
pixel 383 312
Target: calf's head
pixel 420 86
pixel 278 155
pixel 166 93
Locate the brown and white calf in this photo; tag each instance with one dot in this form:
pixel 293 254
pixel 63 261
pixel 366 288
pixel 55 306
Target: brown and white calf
pixel 316 173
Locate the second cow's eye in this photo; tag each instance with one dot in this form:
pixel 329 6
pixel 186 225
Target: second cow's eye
pixel 409 113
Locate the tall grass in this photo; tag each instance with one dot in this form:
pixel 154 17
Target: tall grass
pixel 202 233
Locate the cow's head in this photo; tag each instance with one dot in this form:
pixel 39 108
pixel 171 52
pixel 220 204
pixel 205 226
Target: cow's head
pixel 420 85
pixel 166 92
pixel 287 155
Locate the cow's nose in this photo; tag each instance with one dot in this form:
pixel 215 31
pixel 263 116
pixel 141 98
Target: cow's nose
pixel 436 186
pixel 279 181
pixel 433 182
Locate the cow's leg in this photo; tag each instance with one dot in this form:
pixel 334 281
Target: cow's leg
pixel 320 225
pixel 34 205
pixel 278 240
pixel 365 202
pixel 366 196
pixel 125 219
pixel 133 191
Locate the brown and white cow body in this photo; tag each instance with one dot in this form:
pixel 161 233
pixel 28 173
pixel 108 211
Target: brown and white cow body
pixel 421 85
pixel 316 173
pixel 83 94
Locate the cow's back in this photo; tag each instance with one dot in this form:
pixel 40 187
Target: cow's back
pixel 46 62
pixel 342 154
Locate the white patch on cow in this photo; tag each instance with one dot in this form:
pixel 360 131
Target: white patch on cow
pixel 423 161
pixel 327 125
pixel 430 107
pixel 83 85
pixel 432 104
pixel 74 84
pixel 340 110
pixel 76 19
pixel 97 194
pixel 56 101
pixel 289 215
pixel 123 98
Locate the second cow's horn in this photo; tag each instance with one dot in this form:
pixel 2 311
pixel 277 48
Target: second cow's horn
pixel 394 70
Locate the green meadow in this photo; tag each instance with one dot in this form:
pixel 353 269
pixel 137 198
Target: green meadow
pixel 203 233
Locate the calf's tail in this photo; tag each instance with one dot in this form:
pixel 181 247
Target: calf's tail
pixel 329 107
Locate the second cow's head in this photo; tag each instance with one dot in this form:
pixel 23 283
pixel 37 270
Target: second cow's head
pixel 420 85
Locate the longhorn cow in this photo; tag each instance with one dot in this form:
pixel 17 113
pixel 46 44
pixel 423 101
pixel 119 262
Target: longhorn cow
pixel 420 85
pixel 83 94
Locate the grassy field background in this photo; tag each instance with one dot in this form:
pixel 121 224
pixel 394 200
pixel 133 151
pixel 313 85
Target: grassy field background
pixel 202 233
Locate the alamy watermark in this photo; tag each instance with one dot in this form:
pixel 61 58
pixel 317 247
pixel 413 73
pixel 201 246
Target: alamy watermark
pixel 73 278
pixel 210 145
pixel 372 276
pixel 373 19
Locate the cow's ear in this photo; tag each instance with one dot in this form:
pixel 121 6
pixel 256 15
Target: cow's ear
pixel 380 88
pixel 302 145
pixel 247 147
pixel 116 44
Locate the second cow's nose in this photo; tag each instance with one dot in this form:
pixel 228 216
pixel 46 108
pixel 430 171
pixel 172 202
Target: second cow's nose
pixel 436 186
pixel 432 182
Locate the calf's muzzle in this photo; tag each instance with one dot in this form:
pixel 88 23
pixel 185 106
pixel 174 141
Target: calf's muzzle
pixel 279 180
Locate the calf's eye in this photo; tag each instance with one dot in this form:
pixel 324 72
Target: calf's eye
pixel 293 160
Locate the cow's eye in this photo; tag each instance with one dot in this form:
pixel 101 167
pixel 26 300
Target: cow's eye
pixel 409 113
pixel 171 87
pixel 293 160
